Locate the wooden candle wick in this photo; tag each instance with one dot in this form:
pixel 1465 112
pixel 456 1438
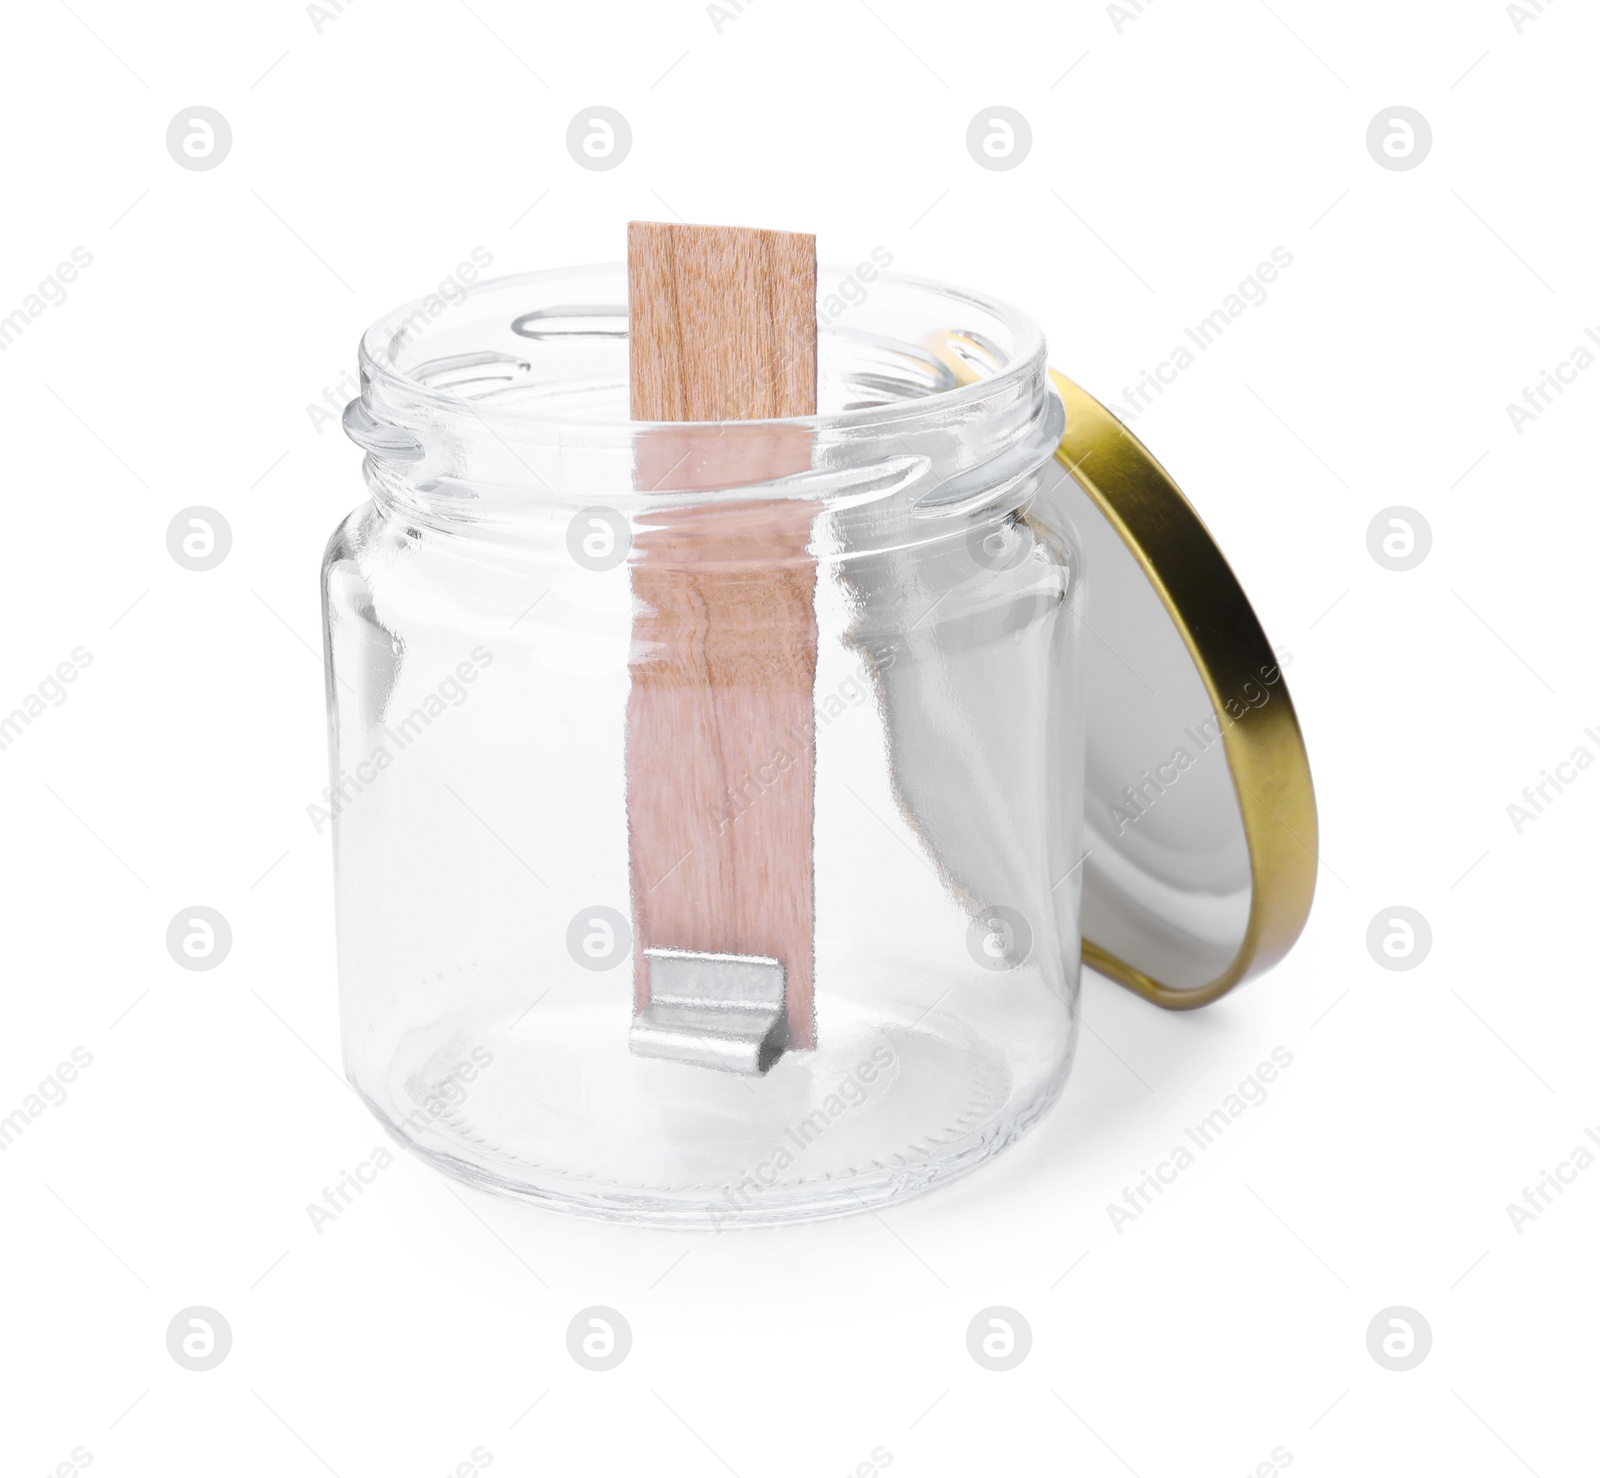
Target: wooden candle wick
pixel 720 758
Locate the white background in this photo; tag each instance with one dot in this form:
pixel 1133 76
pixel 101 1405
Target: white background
pixel 1168 159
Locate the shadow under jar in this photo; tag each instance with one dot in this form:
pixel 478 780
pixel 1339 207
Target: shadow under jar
pixel 482 622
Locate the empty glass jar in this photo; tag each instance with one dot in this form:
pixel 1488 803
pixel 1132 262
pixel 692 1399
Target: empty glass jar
pixel 494 613
pixel 481 620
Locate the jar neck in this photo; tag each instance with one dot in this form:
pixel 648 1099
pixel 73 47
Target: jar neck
pixel 510 417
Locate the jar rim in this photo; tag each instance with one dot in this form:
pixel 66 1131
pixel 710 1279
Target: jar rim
pixel 397 389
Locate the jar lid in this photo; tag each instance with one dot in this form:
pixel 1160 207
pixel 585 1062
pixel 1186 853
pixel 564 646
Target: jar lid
pixel 1200 821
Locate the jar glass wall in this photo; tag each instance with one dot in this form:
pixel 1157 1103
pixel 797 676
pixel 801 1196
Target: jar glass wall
pixel 482 623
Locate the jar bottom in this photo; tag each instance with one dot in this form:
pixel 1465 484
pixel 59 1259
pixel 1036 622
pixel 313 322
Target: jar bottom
pixel 551 1108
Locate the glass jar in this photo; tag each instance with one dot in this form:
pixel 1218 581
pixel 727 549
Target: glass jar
pixel 482 623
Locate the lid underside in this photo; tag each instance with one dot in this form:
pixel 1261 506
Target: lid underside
pixel 1200 820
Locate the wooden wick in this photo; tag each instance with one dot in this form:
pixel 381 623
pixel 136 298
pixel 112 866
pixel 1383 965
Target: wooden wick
pixel 720 727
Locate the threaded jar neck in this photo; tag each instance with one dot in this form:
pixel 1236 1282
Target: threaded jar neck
pixel 504 411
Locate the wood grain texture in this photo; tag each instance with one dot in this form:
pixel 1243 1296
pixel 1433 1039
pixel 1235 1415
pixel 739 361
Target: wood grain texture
pixel 720 742
pixel 722 323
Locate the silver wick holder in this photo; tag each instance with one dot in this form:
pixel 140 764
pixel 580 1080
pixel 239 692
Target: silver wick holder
pixel 719 1011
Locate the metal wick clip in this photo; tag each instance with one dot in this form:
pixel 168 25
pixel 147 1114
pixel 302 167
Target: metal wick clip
pixel 720 1011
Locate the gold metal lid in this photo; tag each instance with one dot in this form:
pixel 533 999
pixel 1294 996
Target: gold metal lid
pixel 1198 874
